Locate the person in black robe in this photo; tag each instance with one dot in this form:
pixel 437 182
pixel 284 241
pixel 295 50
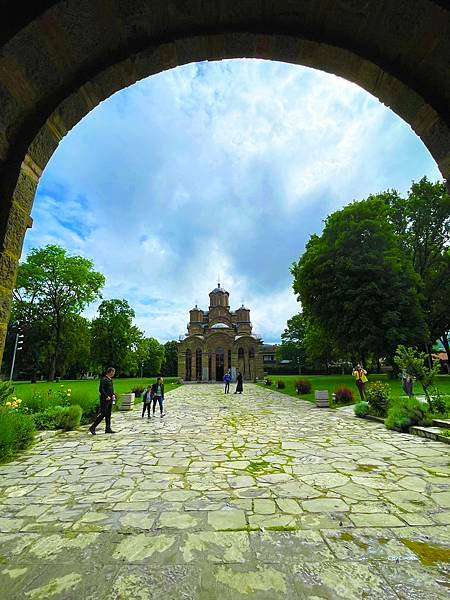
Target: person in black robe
pixel 239 385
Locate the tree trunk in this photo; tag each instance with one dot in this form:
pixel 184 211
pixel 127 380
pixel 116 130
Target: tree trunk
pixel 52 371
pixel 429 357
pixel 444 340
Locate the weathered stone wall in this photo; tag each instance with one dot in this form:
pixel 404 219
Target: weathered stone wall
pixel 59 59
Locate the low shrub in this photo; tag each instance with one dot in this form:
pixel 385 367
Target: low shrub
pixel 280 385
pixel 268 382
pixel 138 389
pixel 405 413
pixel 89 404
pixel 71 417
pixel 343 395
pixel 362 409
pixel 58 417
pixel 48 419
pixel 378 394
pixel 303 386
pixel 16 433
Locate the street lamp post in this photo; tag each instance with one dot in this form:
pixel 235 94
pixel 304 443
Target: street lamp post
pixel 142 366
pixel 18 345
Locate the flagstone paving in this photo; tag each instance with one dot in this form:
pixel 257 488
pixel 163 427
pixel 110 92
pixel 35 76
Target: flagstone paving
pixel 260 496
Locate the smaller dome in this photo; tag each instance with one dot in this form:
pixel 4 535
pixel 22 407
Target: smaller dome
pixel 220 326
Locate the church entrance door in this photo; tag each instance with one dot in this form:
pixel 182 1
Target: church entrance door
pixel 220 364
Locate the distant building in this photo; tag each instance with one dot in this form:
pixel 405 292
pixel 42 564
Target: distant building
pixel 217 340
pixel 269 354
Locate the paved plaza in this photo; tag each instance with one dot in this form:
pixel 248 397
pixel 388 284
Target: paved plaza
pixel 253 496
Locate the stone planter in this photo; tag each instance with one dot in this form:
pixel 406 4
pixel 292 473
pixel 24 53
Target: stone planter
pixel 127 401
pixel 321 397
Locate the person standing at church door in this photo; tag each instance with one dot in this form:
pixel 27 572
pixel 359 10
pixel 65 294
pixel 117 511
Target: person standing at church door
pixel 239 385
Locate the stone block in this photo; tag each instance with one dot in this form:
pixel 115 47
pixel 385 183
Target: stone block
pixel 8 270
pixel 127 401
pixel 321 397
pixel 15 229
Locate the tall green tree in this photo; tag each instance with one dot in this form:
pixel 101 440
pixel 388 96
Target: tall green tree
pixel 357 284
pixel 170 365
pixel 292 345
pixel 114 337
pixel 53 286
pixel 154 362
pixel 319 347
pixel 422 224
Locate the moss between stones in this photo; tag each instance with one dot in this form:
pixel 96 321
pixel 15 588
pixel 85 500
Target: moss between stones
pixel 427 553
pixel 347 537
pixel 262 467
pixel 436 473
pixel 71 535
pixel 366 468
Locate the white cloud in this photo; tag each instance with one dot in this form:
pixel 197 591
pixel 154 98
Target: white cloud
pixel 220 168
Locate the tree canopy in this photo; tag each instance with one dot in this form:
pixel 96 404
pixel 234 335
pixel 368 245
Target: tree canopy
pixel 356 282
pixel 51 288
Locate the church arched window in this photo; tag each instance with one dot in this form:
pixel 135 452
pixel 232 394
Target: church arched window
pixel 241 354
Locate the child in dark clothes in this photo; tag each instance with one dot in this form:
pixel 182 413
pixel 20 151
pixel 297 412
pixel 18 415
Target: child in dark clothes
pixel 147 401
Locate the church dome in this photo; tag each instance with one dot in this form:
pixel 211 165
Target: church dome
pixel 219 290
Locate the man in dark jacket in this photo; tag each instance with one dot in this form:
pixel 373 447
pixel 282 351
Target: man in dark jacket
pixel 107 397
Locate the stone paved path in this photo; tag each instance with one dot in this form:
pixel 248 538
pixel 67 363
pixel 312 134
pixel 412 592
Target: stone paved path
pixel 260 496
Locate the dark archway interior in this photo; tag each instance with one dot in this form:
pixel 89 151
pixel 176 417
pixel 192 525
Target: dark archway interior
pixel 60 59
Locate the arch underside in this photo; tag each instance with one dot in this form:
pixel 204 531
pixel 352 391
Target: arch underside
pixel 61 59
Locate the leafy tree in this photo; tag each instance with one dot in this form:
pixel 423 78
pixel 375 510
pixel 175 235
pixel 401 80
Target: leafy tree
pixel 318 346
pixel 51 288
pixel 75 353
pixel 114 335
pixel 148 355
pixel 355 282
pixel 292 345
pixel 155 358
pixel 170 365
pixel 422 224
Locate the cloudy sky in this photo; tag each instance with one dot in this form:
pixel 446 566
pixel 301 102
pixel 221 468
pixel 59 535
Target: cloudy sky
pixel 217 168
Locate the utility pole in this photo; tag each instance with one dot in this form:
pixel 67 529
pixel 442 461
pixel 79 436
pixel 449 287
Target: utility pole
pixel 142 366
pixel 18 345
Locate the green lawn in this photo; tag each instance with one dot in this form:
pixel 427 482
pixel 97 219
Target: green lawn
pixel 331 382
pixel 25 390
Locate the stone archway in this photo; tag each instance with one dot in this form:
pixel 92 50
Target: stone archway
pixel 60 59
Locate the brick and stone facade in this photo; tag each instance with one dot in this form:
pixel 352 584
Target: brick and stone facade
pixel 217 340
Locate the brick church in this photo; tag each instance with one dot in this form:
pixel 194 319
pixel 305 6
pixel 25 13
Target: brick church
pixel 219 339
